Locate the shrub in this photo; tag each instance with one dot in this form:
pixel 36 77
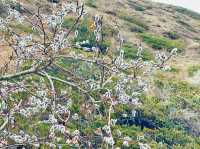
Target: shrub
pixel 139 8
pixel 172 137
pixel 68 22
pixel 193 69
pixel 159 42
pixel 171 35
pixel 108 30
pixel 43 129
pixel 130 52
pixel 187 12
pixel 91 3
pixel 136 28
pixel 85 32
pixel 133 19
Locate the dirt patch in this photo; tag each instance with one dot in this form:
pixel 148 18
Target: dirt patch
pixel 5 54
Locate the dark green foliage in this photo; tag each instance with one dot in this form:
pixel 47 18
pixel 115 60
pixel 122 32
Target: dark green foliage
pixel 139 8
pixel 172 137
pixel 86 33
pixel 158 42
pixel 91 3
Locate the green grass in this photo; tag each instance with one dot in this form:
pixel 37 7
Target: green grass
pixel 187 12
pixel 172 137
pixel 192 70
pixel 188 26
pixel 91 3
pixel 68 22
pixel 109 30
pixel 174 70
pixel 159 42
pixel 130 52
pixel 132 19
pixel 23 28
pixel 43 129
pixel 135 6
pixel 135 28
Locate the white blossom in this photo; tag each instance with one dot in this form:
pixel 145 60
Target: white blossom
pixel 109 140
pixel 144 146
pixel 75 116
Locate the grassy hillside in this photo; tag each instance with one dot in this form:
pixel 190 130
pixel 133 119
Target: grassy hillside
pixel 170 106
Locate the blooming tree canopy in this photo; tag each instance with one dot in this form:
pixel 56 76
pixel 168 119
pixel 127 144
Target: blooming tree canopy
pixel 40 90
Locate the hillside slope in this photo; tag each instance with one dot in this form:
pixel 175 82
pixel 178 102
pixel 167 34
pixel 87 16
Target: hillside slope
pixel 141 16
pixel 84 103
pixel 141 21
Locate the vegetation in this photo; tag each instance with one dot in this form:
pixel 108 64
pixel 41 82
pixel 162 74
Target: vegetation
pixel 187 12
pixel 130 52
pixel 158 42
pixel 171 35
pixel 192 70
pixel 133 20
pixel 23 28
pixel 78 82
pixel 68 22
pixel 135 28
pixel 91 3
pixel 186 25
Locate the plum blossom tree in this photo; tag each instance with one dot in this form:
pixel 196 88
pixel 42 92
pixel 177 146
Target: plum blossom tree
pixel 31 90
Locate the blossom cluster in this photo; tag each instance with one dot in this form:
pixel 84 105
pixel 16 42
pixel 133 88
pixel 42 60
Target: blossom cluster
pixel 35 106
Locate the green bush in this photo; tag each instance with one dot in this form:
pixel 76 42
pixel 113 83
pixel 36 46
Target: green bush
pixel 91 3
pixel 139 8
pixel 133 19
pixel 130 52
pixel 172 137
pixel 193 69
pixel 135 28
pixel 43 129
pixel 85 33
pixel 109 30
pixel 135 6
pixel 68 22
pixel 159 42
